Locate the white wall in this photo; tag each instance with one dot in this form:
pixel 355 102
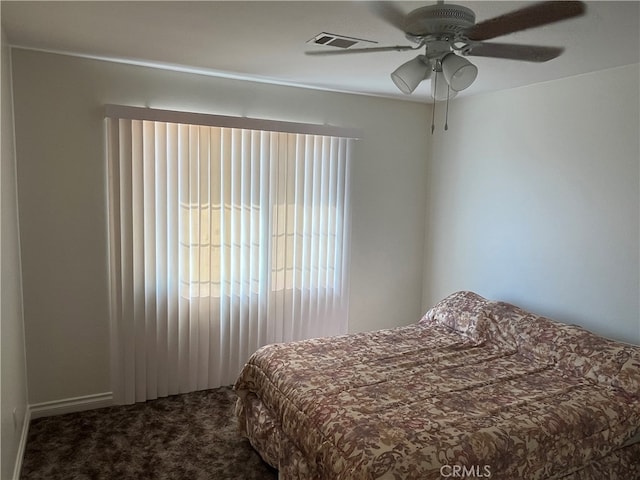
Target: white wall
pixel 535 199
pixel 62 194
pixel 14 380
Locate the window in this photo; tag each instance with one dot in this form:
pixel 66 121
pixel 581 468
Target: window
pixel 222 239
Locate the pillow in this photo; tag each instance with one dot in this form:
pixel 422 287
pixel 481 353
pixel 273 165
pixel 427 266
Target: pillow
pixel 573 349
pixel 534 336
pixel 461 311
pixel 600 359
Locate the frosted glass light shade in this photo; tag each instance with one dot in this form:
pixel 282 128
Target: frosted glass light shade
pixel 409 75
pixel 458 71
pixel 439 88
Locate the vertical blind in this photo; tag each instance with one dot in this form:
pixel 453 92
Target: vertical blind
pixel 222 239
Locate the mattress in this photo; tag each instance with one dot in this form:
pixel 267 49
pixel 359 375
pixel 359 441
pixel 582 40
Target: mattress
pixel 475 387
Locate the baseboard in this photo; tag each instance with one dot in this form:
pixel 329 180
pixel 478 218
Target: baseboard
pixel 57 407
pixel 22 445
pixel 70 405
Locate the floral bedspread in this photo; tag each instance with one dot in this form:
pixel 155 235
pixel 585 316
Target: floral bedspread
pixel 475 389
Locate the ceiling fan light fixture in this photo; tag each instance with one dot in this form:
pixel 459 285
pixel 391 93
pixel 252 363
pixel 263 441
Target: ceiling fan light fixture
pixel 439 88
pixel 458 71
pixel 409 75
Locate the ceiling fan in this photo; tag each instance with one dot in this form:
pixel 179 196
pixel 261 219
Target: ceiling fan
pixel 448 33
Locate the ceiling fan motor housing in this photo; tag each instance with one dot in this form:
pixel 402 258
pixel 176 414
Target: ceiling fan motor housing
pixel 439 20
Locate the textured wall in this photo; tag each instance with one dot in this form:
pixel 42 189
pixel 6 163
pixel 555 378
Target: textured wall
pixel 534 198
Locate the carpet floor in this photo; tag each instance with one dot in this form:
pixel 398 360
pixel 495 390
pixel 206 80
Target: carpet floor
pixel 183 437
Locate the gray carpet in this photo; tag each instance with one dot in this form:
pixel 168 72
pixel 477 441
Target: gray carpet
pixel 183 437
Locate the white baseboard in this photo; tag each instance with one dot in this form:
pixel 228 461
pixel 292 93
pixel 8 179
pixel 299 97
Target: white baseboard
pixel 70 405
pixel 57 407
pixel 22 445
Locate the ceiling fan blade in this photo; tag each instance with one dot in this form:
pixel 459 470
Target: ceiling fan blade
pixel 511 51
pixel 390 13
pixel 397 48
pixel 529 17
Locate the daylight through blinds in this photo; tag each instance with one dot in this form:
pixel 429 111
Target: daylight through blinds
pixel 221 240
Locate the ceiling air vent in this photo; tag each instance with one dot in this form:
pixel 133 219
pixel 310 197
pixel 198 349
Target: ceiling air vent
pixel 339 41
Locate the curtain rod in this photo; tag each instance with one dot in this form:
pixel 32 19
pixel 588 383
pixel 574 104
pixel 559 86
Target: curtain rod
pixel 210 120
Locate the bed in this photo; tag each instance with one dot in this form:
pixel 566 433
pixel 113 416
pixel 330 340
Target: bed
pixel 475 389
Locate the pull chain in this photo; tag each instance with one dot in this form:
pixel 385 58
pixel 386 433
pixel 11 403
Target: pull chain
pixel 433 110
pixel 446 117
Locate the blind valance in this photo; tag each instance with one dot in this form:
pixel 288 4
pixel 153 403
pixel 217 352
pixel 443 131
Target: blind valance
pixel 210 120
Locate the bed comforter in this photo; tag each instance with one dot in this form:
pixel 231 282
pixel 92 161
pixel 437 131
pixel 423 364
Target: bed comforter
pixel 475 389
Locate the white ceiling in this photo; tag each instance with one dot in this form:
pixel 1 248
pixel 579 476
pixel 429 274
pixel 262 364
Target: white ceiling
pixel 266 40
